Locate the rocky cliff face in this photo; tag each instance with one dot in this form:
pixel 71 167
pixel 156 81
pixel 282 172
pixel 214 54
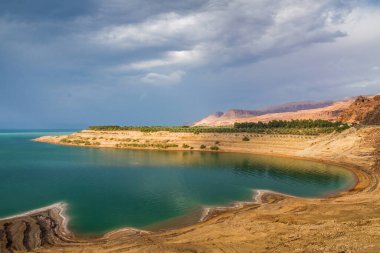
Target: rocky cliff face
pixel 365 110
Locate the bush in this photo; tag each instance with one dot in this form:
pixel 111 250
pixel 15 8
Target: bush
pixel 185 146
pixel 65 140
pixel 245 138
pixel 202 146
pixel 214 148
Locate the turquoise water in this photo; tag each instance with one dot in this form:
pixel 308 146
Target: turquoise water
pixel 112 188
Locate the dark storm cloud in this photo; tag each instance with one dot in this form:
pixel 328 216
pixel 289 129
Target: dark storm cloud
pixel 74 63
pixel 44 9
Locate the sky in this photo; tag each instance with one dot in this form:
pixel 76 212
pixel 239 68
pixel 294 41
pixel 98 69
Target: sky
pixel 71 64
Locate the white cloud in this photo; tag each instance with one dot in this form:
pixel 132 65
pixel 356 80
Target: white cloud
pixel 162 29
pixel 228 31
pixel 184 57
pixel 163 79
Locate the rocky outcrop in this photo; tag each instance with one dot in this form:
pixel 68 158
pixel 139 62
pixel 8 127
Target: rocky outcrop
pixel 40 228
pixel 364 110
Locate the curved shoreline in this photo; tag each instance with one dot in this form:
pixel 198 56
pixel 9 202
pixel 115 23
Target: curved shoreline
pixel 335 223
pixel 357 172
pixel 207 212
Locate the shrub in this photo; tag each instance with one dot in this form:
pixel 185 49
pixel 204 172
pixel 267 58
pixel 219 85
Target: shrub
pixel 245 138
pixel 185 146
pixel 202 146
pixel 214 148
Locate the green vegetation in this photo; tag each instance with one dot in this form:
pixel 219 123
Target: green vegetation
pixel 83 141
pixel 202 146
pixel 245 138
pixel 65 140
pixel 289 124
pixel 294 127
pixel 155 145
pixel 214 148
pixel 185 146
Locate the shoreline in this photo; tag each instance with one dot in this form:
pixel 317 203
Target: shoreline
pixel 206 212
pixel 59 205
pixel 338 216
pixel 344 165
pixel 209 212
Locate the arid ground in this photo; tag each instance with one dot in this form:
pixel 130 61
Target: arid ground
pixel 349 222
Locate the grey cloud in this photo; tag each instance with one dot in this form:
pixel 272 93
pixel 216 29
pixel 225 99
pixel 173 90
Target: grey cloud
pixel 163 79
pixel 112 55
pixel 224 32
pixel 234 31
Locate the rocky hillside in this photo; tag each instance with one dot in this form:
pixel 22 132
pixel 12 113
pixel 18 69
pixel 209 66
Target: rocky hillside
pixel 326 110
pixel 365 110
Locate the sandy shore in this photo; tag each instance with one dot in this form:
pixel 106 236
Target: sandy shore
pixel 348 222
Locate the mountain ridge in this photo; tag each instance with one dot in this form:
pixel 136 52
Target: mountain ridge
pixel 325 110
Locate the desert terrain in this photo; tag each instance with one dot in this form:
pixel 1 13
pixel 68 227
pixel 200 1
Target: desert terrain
pixel 348 222
pixel 348 110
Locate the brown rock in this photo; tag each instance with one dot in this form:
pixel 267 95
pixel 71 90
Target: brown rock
pixel 365 110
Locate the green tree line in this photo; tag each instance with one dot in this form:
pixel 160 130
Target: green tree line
pixel 292 124
pixel 298 127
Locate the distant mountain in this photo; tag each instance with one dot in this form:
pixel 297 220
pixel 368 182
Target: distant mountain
pixel 296 106
pixel 327 110
pixel 288 107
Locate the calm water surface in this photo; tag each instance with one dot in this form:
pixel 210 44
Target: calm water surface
pixel 110 188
